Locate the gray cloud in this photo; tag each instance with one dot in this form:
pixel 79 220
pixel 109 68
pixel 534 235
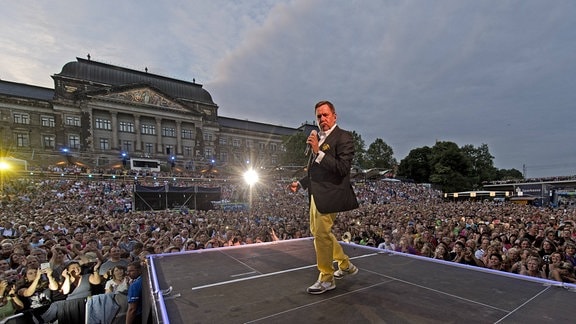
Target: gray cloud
pixel 409 72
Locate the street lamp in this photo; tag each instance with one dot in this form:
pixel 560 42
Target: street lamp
pixel 251 178
pixel 4 166
pixel 124 159
pixel 66 152
pixel 172 164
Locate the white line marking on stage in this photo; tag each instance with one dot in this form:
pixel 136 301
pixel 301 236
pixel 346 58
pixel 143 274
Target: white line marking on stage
pixel 267 274
pixel 323 300
pixel 243 274
pixel 523 305
pixel 250 278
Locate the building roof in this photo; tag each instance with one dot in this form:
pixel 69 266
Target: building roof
pixel 27 91
pixel 113 76
pixel 255 126
pixel 116 76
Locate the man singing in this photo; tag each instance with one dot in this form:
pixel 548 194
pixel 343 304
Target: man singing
pixel 329 192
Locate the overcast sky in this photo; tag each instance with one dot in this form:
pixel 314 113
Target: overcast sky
pixel 495 72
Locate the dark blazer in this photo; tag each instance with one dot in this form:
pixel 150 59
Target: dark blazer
pixel 329 180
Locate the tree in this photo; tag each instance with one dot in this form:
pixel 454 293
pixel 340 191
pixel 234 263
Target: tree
pixel 453 168
pixel 450 167
pixel 360 151
pixel 509 174
pixel 294 145
pixel 482 164
pixel 380 155
pixel 416 165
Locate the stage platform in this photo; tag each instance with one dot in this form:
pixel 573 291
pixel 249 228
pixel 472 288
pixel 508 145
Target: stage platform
pixel 266 283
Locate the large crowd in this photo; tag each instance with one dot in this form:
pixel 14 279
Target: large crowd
pixel 55 230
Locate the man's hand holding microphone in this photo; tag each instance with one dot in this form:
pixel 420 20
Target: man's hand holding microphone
pixel 312 143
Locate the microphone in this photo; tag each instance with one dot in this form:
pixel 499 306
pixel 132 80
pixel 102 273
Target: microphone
pixel 307 151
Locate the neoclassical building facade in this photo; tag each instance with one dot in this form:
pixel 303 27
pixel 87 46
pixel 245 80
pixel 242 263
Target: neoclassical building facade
pixel 100 114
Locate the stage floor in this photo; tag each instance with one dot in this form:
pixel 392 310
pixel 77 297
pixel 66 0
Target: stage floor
pixel 266 283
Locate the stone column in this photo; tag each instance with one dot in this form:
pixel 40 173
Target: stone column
pixel 179 137
pixel 88 131
pixel 138 133
pixel 159 136
pixel 115 144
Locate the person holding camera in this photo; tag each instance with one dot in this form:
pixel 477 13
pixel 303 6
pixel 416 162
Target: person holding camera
pixel 35 290
pixel 9 301
pixel 467 257
pixel 564 272
pixel 78 284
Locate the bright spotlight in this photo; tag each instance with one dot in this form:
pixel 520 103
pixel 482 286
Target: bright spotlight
pixel 4 165
pixel 251 177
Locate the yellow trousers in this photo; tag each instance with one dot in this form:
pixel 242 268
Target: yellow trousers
pixel 327 247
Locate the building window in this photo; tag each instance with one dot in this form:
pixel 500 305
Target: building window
pixel 249 143
pixel 208 137
pixel 274 160
pixel 47 121
pixel 21 118
pixel 224 157
pixel 236 142
pixel 148 129
pixel 273 147
pixel 208 152
pixel 127 127
pixel 168 132
pixel 48 141
pixel 223 140
pixel 127 146
pixel 170 149
pixel 186 133
pixel 262 146
pixel 74 141
pixel 104 144
pixel 148 148
pixel 22 140
pixel 187 151
pixel 72 120
pixel 102 123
